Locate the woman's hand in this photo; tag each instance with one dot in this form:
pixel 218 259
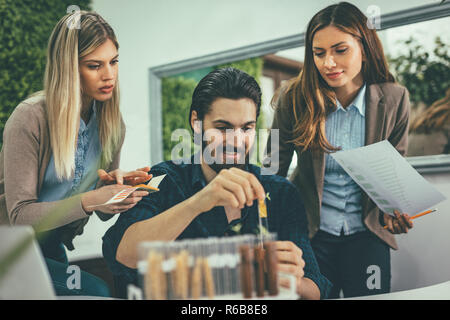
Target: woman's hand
pixel 401 223
pixel 131 178
pixel 103 194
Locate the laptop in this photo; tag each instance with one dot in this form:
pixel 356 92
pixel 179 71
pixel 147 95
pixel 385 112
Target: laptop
pixel 27 278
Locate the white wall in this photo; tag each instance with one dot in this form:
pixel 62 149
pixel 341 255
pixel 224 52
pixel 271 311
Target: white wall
pixel 423 257
pixel 157 32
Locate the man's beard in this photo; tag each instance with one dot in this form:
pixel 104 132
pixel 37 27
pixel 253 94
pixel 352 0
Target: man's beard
pixel 219 152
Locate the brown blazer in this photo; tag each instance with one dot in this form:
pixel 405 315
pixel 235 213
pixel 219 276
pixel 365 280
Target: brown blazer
pixel 387 118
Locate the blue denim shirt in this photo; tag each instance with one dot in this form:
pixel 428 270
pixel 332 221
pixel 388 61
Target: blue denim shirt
pixel 86 156
pixel 286 217
pixel 341 200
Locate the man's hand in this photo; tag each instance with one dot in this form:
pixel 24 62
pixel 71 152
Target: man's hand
pixel 290 261
pixel 230 188
pixel 401 223
pixel 131 178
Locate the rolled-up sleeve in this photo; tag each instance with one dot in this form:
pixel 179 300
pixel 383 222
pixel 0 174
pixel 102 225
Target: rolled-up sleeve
pixel 148 207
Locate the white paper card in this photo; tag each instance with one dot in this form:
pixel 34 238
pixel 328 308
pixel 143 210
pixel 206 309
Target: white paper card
pixel 389 180
pixel 154 182
pixel 123 194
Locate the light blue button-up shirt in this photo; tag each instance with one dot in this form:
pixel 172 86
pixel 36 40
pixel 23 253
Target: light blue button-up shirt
pixel 341 201
pixel 86 156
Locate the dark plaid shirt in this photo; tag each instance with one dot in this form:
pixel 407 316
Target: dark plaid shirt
pixel 285 214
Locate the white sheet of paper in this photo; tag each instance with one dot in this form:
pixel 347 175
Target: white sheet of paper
pixel 389 180
pixel 123 194
pixel 154 182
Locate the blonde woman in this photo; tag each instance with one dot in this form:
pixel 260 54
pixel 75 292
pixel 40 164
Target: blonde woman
pixel 57 139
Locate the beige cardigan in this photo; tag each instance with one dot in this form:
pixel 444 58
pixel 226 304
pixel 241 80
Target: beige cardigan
pixel 24 158
pixel 387 118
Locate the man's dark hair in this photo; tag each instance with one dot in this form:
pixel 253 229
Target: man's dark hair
pixel 227 83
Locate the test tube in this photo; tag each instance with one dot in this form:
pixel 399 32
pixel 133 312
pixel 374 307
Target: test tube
pixel 246 267
pixel 210 286
pixel 150 259
pixel 155 285
pixel 259 254
pixel 196 269
pixel 271 266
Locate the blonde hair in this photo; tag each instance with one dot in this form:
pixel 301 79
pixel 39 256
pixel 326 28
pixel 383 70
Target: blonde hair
pixel 75 36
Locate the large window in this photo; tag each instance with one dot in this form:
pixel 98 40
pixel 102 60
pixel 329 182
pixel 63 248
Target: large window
pixel 414 42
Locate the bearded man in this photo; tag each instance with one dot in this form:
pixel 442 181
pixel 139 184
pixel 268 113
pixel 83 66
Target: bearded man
pixel 218 189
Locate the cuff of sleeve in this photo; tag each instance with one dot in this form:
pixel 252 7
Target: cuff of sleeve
pixel 323 283
pixel 78 209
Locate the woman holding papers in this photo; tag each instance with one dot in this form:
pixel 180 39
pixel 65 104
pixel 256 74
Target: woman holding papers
pixel 344 98
pixel 56 140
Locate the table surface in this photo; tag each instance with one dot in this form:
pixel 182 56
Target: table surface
pixel 439 291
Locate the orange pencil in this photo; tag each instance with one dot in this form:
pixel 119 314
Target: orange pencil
pixel 418 215
pixel 144 186
pixel 423 213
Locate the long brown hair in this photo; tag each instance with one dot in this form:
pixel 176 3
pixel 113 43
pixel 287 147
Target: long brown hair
pixel 312 98
pixel 435 117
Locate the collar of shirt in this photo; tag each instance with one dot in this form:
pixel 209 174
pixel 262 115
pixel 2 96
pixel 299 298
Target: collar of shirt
pixel 198 179
pixel 358 102
pixel 84 128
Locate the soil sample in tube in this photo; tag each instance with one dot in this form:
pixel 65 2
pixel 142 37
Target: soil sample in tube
pixel 182 275
pixel 271 268
pixel 209 280
pixel 259 270
pixel 155 278
pixel 246 270
pixel 196 279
